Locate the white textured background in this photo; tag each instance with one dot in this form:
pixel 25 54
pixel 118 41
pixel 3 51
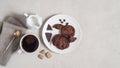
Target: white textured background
pixel 100 23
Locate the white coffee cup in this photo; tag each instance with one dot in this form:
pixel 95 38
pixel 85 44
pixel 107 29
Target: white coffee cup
pixel 23 49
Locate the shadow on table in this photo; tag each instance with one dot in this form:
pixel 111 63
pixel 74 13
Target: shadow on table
pixel 1 27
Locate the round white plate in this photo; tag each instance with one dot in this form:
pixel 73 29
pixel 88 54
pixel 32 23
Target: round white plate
pixel 55 20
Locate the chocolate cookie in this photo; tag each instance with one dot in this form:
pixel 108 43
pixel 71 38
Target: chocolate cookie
pixel 60 41
pixel 67 30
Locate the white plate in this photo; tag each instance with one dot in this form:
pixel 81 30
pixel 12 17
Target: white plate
pixel 55 20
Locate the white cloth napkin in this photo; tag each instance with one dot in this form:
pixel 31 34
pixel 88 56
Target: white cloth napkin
pixel 8 28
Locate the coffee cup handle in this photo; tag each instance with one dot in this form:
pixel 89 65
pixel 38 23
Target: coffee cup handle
pixel 20 51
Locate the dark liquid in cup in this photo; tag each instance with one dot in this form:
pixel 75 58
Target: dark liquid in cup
pixel 30 43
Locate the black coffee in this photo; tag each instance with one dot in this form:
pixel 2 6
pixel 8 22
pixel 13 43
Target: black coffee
pixel 30 43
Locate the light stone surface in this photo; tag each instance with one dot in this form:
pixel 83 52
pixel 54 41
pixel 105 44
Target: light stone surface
pixel 100 24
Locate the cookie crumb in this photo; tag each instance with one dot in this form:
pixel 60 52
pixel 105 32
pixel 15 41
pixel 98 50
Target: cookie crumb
pixel 48 55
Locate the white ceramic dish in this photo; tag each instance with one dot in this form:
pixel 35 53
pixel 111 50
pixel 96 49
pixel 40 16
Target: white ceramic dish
pixel 55 20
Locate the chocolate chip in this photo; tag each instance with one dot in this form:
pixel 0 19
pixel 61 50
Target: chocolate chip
pixel 64 20
pixel 67 23
pixel 60 20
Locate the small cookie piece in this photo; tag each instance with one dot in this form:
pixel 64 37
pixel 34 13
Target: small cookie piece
pixel 72 39
pixel 42 51
pixel 48 54
pixel 41 56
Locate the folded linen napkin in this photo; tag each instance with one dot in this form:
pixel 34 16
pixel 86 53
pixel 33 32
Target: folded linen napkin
pixel 8 28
